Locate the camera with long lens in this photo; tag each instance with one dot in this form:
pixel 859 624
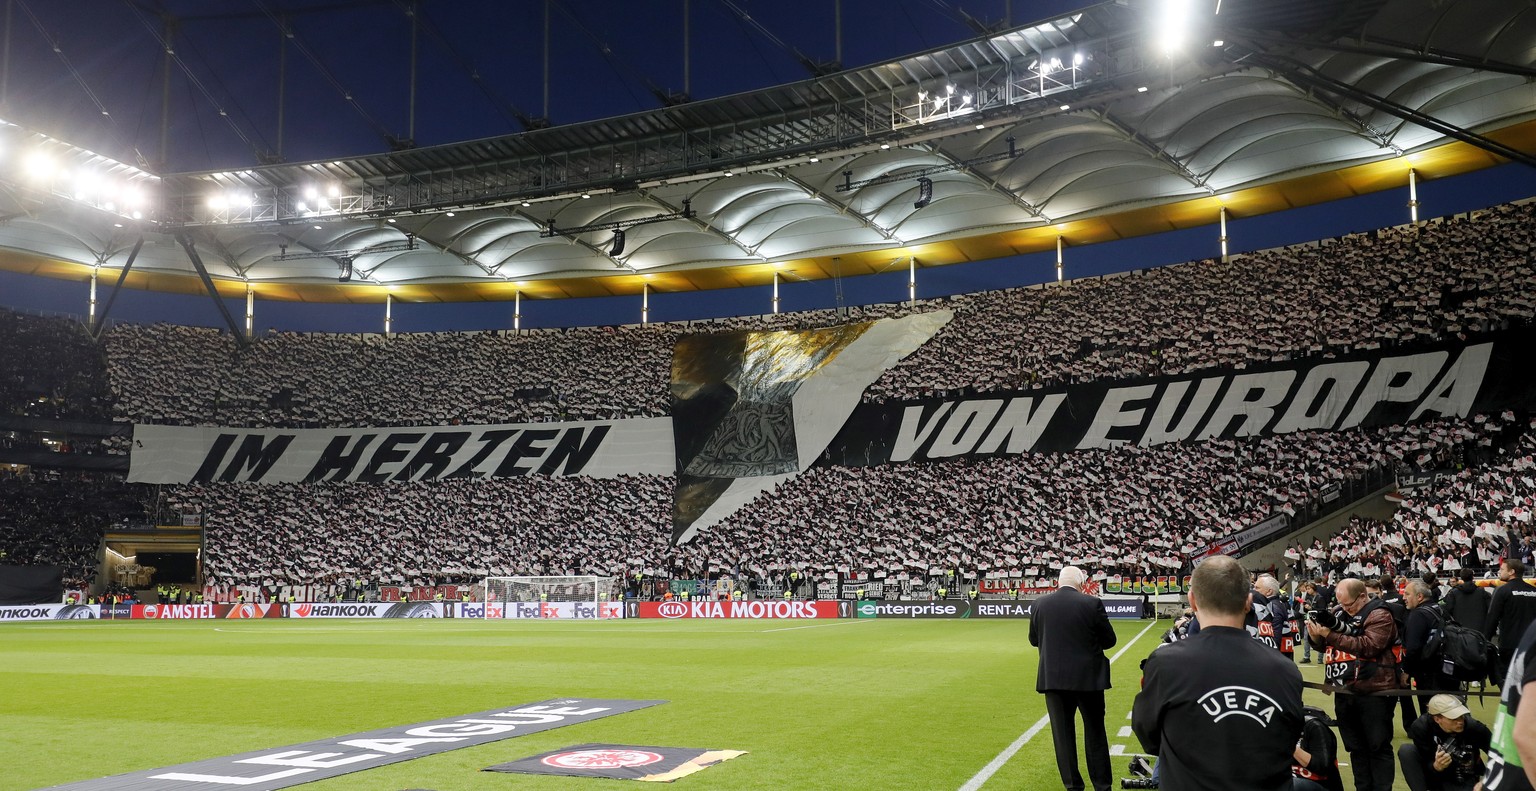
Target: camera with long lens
pixel 1323 618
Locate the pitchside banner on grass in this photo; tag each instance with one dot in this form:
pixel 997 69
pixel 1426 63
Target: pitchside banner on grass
pixel 281 767
pixel 599 449
pixel 1380 387
pixel 619 762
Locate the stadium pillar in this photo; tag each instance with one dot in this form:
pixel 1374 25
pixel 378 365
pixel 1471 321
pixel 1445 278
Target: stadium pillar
pixel 250 311
pixel 517 310
pixel 1413 196
pixel 912 281
pixel 645 303
pixel 1060 243
pixel 389 313
pixel 1224 257
pixel 92 317
pixel 775 292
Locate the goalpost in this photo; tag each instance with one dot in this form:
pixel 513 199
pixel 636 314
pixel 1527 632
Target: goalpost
pixel 587 590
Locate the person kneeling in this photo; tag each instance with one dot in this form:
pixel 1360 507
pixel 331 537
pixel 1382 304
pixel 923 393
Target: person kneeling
pixel 1442 751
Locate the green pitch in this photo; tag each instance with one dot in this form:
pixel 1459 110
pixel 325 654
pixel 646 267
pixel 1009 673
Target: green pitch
pixel 890 704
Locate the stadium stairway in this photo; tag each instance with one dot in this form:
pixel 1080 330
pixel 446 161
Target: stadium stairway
pixel 1374 505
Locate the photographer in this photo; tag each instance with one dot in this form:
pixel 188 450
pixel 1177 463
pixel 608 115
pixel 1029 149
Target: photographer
pixel 1315 763
pixel 1359 639
pixel 1442 751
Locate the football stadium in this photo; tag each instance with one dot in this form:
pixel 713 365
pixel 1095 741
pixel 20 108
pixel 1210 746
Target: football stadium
pixel 459 396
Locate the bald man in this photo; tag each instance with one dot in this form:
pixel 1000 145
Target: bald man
pixel 1072 632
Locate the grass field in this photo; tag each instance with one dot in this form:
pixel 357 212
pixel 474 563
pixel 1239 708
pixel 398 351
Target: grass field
pixel 887 704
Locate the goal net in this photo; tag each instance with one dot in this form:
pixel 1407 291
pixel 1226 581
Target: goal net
pixel 588 590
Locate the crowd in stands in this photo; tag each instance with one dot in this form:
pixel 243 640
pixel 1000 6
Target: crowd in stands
pixel 1363 291
pixel 52 518
pixel 50 368
pixel 1464 518
pixel 1127 510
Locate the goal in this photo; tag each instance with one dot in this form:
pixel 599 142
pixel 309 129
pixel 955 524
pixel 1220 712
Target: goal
pixel 589 590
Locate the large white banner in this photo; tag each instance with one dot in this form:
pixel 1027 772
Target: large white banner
pixel 600 449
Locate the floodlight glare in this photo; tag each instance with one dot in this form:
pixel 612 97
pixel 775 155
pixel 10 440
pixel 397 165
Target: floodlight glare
pixel 217 203
pixel 301 207
pixel 1173 23
pixel 39 165
pixel 335 191
pixel 309 192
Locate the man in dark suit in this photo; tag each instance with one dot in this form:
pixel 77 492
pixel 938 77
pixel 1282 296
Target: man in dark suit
pixel 1072 632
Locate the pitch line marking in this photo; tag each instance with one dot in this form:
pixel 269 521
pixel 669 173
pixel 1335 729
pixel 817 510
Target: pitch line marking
pixel 1008 752
pixel 812 626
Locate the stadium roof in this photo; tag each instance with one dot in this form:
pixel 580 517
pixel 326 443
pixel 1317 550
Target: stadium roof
pixel 1079 126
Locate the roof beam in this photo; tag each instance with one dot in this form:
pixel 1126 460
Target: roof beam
pixel 700 223
pixel 992 184
pixel 1311 76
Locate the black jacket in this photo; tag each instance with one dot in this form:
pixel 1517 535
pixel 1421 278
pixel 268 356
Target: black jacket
pixel 1513 609
pixel 1467 749
pixel 1072 631
pixel 1221 711
pixel 1468 604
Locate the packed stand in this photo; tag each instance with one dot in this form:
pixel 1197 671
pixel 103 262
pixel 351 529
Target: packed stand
pixel 1364 291
pixel 51 368
pixel 1469 518
pixel 1358 292
pixel 1127 510
pixel 51 518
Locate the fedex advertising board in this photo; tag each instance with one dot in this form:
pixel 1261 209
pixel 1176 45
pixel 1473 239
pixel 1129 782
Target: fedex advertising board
pixel 554 610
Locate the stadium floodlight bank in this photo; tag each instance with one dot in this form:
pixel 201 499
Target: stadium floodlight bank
pixel 588 590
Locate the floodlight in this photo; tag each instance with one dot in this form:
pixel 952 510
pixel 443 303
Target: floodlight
pixel 1173 24
pixel 40 165
pixel 218 203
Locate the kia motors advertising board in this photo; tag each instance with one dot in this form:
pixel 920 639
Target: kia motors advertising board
pixel 559 610
pixel 758 608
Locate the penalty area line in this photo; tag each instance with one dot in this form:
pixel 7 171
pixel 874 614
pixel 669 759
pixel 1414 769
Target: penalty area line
pixel 1008 752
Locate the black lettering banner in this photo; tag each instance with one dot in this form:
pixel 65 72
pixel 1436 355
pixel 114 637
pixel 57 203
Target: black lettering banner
pixel 600 449
pixel 1363 389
